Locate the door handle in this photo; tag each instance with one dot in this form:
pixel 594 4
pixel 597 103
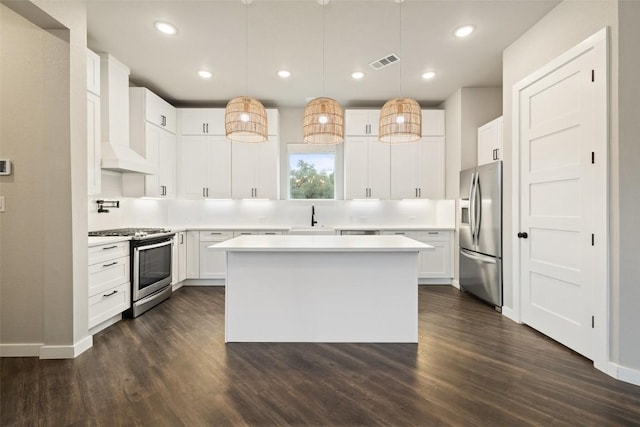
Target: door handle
pixel 522 235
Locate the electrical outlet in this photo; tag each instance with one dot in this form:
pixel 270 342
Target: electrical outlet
pixel 1 203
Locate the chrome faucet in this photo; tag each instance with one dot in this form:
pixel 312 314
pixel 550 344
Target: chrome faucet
pixel 313 216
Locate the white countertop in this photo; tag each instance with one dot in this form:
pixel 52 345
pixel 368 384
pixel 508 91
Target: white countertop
pixel 287 243
pixel 95 240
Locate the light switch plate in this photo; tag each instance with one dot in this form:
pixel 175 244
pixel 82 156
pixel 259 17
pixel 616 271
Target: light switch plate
pixel 1 203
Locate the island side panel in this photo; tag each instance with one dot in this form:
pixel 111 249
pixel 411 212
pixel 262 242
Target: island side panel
pixel 322 297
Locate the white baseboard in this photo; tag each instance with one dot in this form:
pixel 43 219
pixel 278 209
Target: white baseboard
pixel 510 314
pixel 46 351
pixel 622 373
pixel 455 283
pixel 66 351
pixel 20 350
pixel 204 282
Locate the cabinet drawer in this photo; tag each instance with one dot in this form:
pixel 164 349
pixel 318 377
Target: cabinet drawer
pixel 107 274
pixel 108 303
pixel 108 251
pixel 435 236
pixel 215 236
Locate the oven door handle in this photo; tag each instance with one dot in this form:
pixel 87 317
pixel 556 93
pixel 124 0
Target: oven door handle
pixel 157 245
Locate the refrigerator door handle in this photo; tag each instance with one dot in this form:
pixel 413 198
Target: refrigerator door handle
pixel 477 257
pixel 478 209
pixel 472 214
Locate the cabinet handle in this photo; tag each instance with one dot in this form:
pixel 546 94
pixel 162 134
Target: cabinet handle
pixel 163 120
pixel 214 233
pixel 181 238
pixel 207 127
pixel 109 247
pixel 207 191
pixel 110 264
pixel 433 233
pixel 419 192
pixel 109 294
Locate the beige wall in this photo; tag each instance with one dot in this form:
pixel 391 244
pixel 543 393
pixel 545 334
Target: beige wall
pixel 561 29
pixel 628 274
pixel 43 282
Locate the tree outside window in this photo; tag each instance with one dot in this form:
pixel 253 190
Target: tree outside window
pixel 311 176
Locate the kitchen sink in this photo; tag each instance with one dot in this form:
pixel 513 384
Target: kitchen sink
pixel 318 229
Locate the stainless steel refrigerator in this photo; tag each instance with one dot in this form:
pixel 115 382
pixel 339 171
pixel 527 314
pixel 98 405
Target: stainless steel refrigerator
pixel 480 234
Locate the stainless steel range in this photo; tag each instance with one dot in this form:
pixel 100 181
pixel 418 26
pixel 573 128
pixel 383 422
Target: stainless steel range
pixel 150 265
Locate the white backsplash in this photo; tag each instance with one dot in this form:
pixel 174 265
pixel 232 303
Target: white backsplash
pixel 141 212
pixel 435 213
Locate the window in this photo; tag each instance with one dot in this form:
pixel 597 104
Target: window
pixel 311 171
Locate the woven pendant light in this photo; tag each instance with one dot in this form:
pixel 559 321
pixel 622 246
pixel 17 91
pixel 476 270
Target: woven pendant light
pixel 323 117
pixel 400 118
pixel 323 122
pixel 245 118
pixel 400 121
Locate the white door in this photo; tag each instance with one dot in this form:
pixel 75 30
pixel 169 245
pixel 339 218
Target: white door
pixel 431 168
pixel 356 168
pixel 193 166
pixel 379 169
pixel 218 169
pixel 558 123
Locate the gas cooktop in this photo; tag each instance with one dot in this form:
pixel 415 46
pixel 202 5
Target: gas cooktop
pixel 136 233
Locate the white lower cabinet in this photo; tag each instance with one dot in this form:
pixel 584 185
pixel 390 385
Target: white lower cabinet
pixel 436 266
pixel 179 260
pixel 109 285
pixel 213 264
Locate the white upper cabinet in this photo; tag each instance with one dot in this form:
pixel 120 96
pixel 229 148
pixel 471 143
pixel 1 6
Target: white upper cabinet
pixel 202 121
pixel 153 140
pixel 213 167
pixel 432 122
pixel 205 167
pixel 157 110
pixel 490 142
pixel 254 169
pixel 93 72
pixel 366 168
pixel 94 172
pixel 417 169
pixel 361 122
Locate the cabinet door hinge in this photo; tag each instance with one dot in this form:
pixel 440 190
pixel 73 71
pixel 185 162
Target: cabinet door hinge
pixel 593 322
pixel 593 75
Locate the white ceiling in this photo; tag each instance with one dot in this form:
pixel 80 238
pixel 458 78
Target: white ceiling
pixel 288 34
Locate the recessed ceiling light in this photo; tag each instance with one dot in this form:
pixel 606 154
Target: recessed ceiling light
pixel 284 74
pixel 464 31
pixel 428 75
pixel 205 74
pixel 165 28
pixel 357 75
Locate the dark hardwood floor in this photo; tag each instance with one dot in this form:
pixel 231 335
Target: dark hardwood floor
pixel 171 367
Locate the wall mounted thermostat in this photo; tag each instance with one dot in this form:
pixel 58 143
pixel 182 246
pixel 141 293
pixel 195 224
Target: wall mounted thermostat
pixel 5 167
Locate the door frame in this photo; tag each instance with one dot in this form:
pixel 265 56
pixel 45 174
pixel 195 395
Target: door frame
pixel 601 293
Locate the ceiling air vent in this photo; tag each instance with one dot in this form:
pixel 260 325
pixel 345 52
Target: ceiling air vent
pixel 384 61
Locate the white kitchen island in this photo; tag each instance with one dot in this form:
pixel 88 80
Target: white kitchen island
pixel 321 288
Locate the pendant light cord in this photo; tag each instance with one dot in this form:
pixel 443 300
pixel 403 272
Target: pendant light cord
pixel 246 48
pixel 323 66
pixel 400 37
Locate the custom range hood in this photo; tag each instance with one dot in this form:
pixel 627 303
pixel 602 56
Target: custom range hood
pixel 117 154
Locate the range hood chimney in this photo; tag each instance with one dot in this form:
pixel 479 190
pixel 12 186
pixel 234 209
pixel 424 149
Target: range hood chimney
pixel 117 154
